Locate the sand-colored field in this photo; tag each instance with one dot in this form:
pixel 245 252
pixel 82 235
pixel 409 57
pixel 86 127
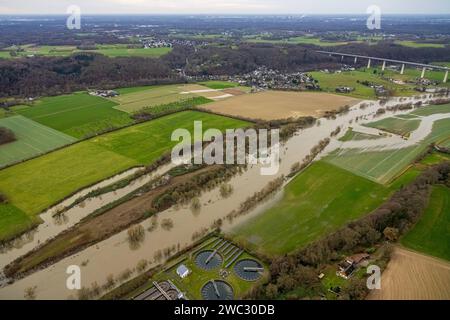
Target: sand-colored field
pixel 273 105
pixel 413 276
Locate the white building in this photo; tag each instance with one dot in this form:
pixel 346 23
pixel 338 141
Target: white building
pixel 183 271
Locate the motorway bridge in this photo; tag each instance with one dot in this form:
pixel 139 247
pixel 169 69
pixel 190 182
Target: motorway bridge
pixel 424 67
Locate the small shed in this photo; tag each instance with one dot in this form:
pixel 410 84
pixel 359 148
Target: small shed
pixel 183 271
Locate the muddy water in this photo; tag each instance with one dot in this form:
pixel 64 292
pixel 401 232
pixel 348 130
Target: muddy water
pixel 53 225
pixel 114 255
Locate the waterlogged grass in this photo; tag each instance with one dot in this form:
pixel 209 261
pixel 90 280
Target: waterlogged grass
pixel 35 185
pixel 414 44
pixel 431 234
pixel 353 135
pixel 429 110
pixel 319 201
pixel 401 127
pixel 383 166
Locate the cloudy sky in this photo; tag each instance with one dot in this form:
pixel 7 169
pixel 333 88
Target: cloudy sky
pixel 222 6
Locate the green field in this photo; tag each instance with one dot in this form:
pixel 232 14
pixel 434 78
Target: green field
pixel 217 85
pixel 429 110
pixel 300 40
pixel 431 235
pixel 113 50
pixel 318 201
pixel 414 44
pixel 32 139
pixel 135 99
pixel 401 127
pixel 78 114
pixel 383 166
pixel 34 185
pixel 330 81
pixel 412 74
pixel 352 135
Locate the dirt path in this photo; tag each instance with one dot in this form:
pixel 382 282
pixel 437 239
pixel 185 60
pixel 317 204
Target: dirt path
pixel 414 276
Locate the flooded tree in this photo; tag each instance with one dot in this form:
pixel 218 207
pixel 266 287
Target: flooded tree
pixel 141 266
pixel 167 224
pixel 30 293
pixel 226 190
pixel 136 235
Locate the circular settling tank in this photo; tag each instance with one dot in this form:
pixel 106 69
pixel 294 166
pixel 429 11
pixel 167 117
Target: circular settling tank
pixel 248 269
pixel 208 260
pixel 217 290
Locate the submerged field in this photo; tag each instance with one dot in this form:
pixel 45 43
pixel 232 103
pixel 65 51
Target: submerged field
pixel 32 139
pixel 396 125
pixel 384 165
pixel 34 185
pixel 274 105
pixel 78 114
pixel 318 201
pixel 431 234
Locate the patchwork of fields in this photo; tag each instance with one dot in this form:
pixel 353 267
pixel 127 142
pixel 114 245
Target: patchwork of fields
pixel 32 139
pixel 34 185
pixel 77 114
pixel 318 201
pixel 113 50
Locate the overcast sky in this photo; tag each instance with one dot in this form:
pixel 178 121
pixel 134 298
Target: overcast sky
pixel 222 6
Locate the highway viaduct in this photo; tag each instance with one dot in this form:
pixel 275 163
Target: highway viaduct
pixel 384 61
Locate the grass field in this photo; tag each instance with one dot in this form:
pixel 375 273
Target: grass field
pixel 318 201
pixel 274 105
pixel 414 44
pixel 32 139
pixel 330 81
pixel 401 127
pixel 411 74
pixel 114 50
pixel 37 184
pixel 353 135
pixel 78 114
pixel 383 166
pixel 429 110
pixel 135 99
pixel 219 84
pixel 431 234
pixel 300 40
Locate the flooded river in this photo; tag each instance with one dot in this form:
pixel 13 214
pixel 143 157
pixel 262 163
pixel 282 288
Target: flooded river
pixel 114 255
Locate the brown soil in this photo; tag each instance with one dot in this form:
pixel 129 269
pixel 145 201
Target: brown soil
pixel 414 276
pixel 275 105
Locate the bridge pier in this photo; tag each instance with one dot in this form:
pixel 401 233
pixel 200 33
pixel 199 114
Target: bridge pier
pixel 369 63
pixel 384 65
pixel 423 73
pixel 356 60
pixel 342 58
pixel 403 69
pixel 445 76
